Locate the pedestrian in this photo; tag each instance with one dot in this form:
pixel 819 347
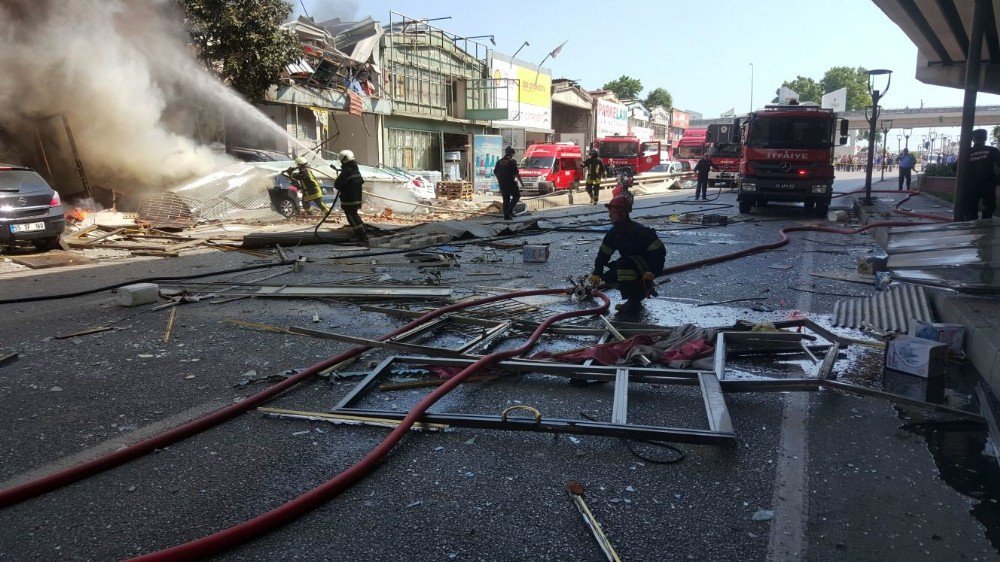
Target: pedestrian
pixel 982 177
pixel 312 193
pixel 641 257
pixel 702 168
pixel 906 164
pixel 349 183
pixel 510 180
pixel 595 170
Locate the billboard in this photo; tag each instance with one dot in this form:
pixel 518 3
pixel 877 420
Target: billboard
pixel 612 119
pixel 680 119
pixel 527 97
pixel 836 100
pixel 486 150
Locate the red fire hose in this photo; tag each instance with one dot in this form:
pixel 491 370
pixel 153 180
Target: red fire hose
pixel 59 479
pixel 228 538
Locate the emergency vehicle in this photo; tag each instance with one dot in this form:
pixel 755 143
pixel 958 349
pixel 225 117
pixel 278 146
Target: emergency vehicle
pixel 788 156
pixel 628 152
pixel 692 146
pixel 547 167
pixel 725 153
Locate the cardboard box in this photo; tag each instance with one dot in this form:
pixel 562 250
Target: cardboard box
pixel 536 253
pixel 917 356
pixel 913 387
pixel 951 335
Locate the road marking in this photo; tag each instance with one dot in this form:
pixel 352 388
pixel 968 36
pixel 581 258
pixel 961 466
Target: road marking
pixel 787 539
pixel 114 444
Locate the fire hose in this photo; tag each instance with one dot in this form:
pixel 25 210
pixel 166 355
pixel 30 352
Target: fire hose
pixel 228 538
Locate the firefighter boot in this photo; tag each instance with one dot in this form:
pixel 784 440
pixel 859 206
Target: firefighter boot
pixel 631 306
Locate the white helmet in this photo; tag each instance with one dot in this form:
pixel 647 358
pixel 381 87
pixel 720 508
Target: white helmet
pixel 301 161
pixel 346 155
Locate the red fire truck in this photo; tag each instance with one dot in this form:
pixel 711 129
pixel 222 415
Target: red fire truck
pixel 691 146
pixel 788 156
pixel 628 152
pixel 725 153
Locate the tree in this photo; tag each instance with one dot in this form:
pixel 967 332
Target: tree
pixel 625 87
pixel 996 135
pixel 807 88
pixel 863 135
pixel 661 97
pixel 856 82
pixel 241 41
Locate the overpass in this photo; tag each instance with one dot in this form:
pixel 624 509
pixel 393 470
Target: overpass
pixel 908 118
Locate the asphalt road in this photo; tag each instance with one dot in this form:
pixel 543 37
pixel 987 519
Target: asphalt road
pixel 845 478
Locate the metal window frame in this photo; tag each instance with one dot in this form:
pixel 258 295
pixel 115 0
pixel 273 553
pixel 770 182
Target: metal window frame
pixel 720 430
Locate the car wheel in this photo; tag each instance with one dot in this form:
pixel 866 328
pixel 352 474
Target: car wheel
pixel 286 207
pixel 46 244
pixel 745 206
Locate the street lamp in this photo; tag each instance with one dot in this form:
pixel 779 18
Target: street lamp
pixel 886 126
pixel 933 136
pixel 523 45
pixel 490 37
pixel 872 122
pixel 906 135
pixel 899 141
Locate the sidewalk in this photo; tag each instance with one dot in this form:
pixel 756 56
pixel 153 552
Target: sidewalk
pixel 979 314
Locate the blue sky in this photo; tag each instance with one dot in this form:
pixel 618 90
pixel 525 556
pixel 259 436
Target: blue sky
pixel 700 52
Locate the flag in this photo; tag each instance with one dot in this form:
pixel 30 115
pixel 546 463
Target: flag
pixel 555 52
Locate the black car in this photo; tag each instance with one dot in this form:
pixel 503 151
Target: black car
pixel 30 210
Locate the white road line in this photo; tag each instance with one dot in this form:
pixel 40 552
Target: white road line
pixel 787 540
pixel 115 444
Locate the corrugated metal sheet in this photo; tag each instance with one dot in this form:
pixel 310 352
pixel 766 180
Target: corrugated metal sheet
pixel 964 256
pixel 891 310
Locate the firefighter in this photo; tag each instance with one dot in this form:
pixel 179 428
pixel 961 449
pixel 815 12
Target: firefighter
pixel 702 168
pixel 641 257
pixel 509 179
pixel 595 170
pixel 982 178
pixel 311 191
pixel 349 183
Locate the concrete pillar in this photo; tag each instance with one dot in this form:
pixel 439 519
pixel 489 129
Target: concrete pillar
pixel 972 68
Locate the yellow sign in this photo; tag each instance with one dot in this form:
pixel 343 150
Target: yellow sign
pixel 536 89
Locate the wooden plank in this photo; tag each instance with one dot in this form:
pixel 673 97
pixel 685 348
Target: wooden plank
pixel 92 241
pixel 54 258
pixel 826 369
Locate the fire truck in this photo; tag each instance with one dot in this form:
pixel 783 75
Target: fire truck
pixel 788 156
pixel 692 145
pixel 628 152
pixel 725 153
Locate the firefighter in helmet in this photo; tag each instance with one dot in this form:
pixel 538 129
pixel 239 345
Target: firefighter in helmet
pixel 349 183
pixel 312 194
pixel 595 170
pixel 641 257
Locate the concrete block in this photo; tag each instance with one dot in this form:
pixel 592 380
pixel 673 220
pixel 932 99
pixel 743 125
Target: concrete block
pixel 137 294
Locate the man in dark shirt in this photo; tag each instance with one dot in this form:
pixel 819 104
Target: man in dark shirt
pixel 595 170
pixel 509 179
pixel 702 168
pixel 906 164
pixel 982 177
pixel 641 257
